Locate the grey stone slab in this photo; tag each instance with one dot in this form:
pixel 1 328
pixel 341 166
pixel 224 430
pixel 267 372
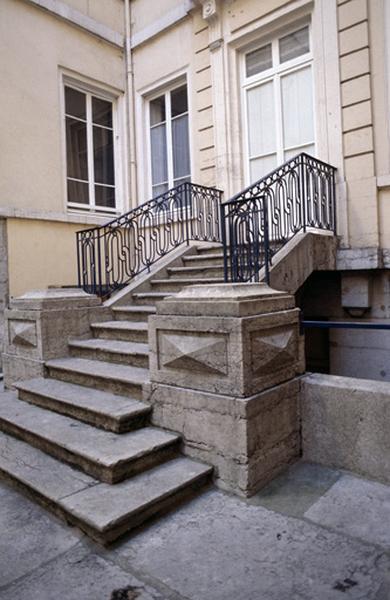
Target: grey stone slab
pixel 102 447
pixel 29 537
pixel 357 507
pixel 78 575
pixel 80 396
pixel 95 368
pixel 220 548
pixel 114 346
pixel 121 325
pixel 293 492
pixel 38 471
pixel 107 506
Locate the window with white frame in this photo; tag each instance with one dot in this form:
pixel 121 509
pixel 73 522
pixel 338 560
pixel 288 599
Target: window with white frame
pixel 170 162
pixel 90 160
pixel 278 102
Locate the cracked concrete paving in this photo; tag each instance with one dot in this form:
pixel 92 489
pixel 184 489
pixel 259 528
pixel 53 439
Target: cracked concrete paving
pixel 312 534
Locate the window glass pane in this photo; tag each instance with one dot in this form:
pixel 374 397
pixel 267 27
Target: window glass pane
pixel 309 149
pixel 78 192
pixel 76 149
pixel 259 167
pixel 102 112
pixel 157 110
pixel 158 143
pixel 75 104
pixel 261 119
pixel 179 104
pixel 297 107
pixel 258 60
pixel 180 147
pixel 293 45
pixel 103 156
pixel 159 189
pixel 105 196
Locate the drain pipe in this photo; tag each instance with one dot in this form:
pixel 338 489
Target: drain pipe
pixel 130 107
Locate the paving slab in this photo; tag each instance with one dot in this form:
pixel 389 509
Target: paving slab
pixel 29 537
pixel 295 490
pixel 78 575
pixel 357 507
pixel 221 548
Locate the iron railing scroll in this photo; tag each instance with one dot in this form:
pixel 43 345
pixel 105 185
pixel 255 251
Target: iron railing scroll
pixel 260 220
pixel 109 256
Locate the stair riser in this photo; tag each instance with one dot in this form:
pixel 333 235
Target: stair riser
pixel 95 419
pixel 203 262
pixel 121 471
pixel 135 317
pixel 122 335
pixel 132 390
pixel 197 274
pixel 141 301
pixel 156 509
pixel 135 360
pixel 201 251
pixel 176 287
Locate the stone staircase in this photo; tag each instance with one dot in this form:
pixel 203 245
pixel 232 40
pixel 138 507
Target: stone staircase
pixel 79 442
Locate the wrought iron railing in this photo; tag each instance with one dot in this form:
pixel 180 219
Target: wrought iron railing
pixel 109 256
pixel 260 220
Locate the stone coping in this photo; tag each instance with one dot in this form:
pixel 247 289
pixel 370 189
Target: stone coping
pixel 54 298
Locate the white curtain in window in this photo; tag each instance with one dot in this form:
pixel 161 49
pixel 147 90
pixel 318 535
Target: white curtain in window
pixel 180 147
pixel 159 154
pixel 297 108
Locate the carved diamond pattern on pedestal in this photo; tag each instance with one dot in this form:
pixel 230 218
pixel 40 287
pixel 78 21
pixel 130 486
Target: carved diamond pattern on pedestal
pixel 198 352
pixel 272 351
pixel 22 333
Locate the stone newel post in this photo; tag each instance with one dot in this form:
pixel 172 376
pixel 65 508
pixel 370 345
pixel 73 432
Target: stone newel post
pixel 224 363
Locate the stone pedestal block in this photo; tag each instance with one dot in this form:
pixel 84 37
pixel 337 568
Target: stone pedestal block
pixel 224 363
pixel 38 326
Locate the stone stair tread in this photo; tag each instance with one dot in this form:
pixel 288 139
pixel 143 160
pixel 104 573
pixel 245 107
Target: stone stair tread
pixel 102 369
pixel 114 346
pixel 196 268
pixel 135 309
pixel 153 294
pixel 198 257
pixel 103 403
pixel 102 447
pixel 104 506
pixel 60 486
pixel 190 281
pixel 122 325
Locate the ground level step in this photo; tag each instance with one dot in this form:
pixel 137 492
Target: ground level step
pixel 104 455
pixel 117 379
pixel 101 409
pixel 135 354
pixel 130 331
pixel 104 512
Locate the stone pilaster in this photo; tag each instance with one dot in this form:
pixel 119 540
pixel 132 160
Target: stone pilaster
pixel 224 363
pixel 3 281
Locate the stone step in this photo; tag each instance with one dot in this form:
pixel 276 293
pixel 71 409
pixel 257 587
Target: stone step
pixel 117 379
pixel 198 271
pixel 133 313
pixel 208 260
pixel 128 331
pixel 176 284
pixel 107 456
pixel 149 297
pixel 101 409
pixel 209 248
pixel 135 354
pixel 104 512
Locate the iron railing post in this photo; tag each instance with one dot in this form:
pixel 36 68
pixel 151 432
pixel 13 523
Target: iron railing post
pixel 303 192
pixel 224 241
pixel 78 238
pixel 187 197
pixel 266 241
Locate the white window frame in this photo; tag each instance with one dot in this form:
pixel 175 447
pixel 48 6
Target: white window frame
pixel 115 98
pixel 274 74
pixel 166 92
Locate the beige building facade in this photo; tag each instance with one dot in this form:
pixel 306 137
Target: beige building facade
pixel 106 104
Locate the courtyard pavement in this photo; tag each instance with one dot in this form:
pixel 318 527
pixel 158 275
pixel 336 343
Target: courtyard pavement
pixel 313 534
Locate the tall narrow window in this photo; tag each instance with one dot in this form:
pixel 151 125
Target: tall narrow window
pixel 89 151
pixel 278 96
pixel 169 140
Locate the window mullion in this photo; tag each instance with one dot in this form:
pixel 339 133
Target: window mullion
pixel 91 173
pixel 169 143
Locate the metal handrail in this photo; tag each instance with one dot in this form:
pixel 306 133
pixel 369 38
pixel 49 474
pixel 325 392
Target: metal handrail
pixel 110 255
pixel 260 220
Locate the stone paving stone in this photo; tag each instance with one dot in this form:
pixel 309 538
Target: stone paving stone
pixel 221 548
pixel 28 536
pixel 357 507
pixel 293 492
pixel 77 575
